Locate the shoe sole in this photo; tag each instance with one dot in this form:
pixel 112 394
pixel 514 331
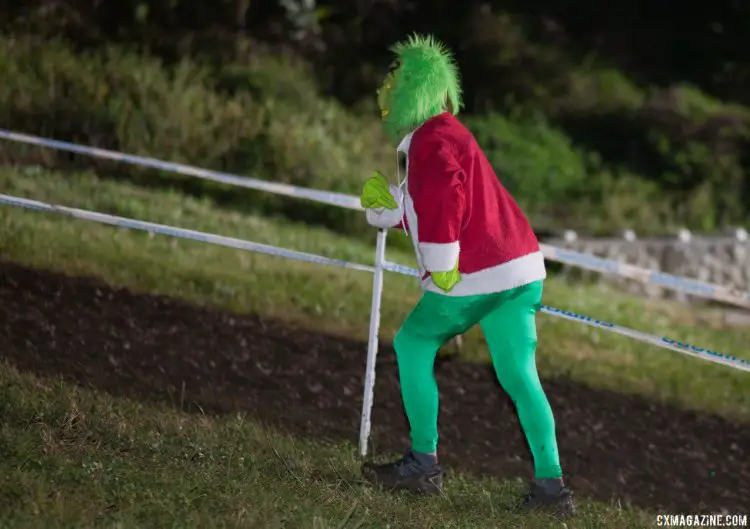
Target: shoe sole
pixel 430 485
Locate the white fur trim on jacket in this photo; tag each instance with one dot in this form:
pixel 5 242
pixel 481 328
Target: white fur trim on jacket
pixel 438 257
pixel 506 276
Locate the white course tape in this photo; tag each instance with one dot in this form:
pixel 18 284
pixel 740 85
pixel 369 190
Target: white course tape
pixel 324 197
pixel 181 233
pixel 644 275
pixel 589 262
pixel 666 343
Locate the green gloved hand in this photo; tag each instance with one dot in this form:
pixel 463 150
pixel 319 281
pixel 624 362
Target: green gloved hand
pixel 376 193
pixel 446 280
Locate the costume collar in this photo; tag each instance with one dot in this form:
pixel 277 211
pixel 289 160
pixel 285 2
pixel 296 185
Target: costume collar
pixel 404 145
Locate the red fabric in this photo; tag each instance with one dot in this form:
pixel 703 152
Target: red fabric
pixel 437 188
pixel 457 197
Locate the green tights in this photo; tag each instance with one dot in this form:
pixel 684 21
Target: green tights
pixel 508 321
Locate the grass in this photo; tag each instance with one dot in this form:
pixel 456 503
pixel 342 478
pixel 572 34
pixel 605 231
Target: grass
pixel 70 457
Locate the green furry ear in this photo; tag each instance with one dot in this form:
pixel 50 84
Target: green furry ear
pixel 426 84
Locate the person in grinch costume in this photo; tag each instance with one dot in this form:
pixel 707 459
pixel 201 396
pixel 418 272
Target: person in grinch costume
pixel 480 263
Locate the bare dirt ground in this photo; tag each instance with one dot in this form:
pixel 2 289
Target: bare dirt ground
pixel 310 384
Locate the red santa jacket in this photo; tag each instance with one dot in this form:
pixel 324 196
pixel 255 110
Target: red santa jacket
pixel 454 207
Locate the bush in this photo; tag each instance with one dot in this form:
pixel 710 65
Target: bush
pixel 561 185
pixel 122 101
pixel 592 90
pixel 536 162
pixel 263 118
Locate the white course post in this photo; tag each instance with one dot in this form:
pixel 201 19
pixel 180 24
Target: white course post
pixel 372 343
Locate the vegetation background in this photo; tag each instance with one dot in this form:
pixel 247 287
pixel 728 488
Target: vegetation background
pixel 598 116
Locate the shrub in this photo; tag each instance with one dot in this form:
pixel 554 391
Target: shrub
pixel 536 162
pixel 263 118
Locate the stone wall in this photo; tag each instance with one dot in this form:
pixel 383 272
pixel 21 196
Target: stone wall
pixel 723 259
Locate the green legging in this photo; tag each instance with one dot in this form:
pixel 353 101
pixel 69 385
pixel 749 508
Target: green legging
pixel 508 321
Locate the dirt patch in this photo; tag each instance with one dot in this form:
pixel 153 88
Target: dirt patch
pixel 155 348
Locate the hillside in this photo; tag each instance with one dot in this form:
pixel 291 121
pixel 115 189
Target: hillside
pixel 146 381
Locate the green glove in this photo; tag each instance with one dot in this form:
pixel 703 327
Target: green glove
pixel 376 193
pixel 446 280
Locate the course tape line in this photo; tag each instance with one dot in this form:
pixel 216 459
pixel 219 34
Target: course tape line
pixel 667 343
pixel 325 197
pixel 582 260
pixel 219 240
pixel 644 275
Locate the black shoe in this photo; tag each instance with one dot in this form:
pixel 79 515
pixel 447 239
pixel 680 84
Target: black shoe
pixel 406 474
pixel 545 499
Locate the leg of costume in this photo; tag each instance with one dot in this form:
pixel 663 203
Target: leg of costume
pixel 508 320
pixel 510 331
pixel 434 320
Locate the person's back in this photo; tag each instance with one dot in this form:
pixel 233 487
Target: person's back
pixel 498 248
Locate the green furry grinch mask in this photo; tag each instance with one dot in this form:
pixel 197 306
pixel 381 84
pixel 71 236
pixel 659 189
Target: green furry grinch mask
pixel 423 82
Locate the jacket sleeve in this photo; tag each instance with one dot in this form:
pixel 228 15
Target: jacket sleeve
pixel 439 203
pixel 388 218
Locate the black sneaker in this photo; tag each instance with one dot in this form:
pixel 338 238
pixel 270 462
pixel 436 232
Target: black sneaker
pixel 540 498
pixel 406 474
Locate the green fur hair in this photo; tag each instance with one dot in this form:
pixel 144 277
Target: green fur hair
pixel 426 84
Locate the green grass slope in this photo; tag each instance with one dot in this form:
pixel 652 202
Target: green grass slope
pixel 73 458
